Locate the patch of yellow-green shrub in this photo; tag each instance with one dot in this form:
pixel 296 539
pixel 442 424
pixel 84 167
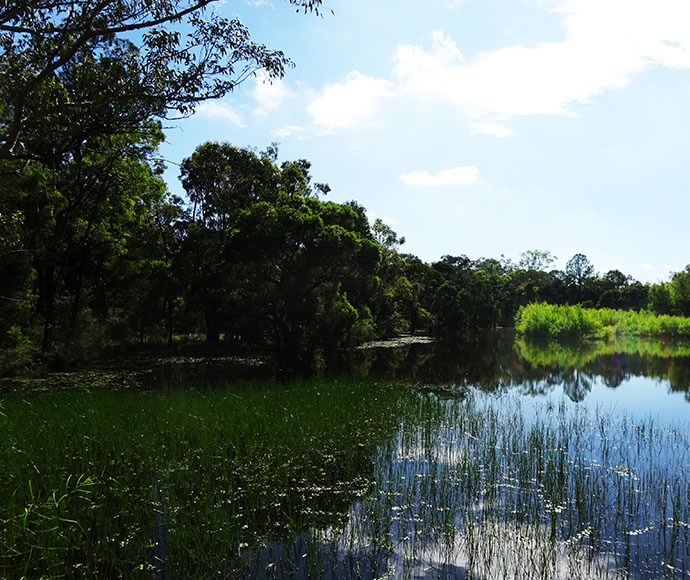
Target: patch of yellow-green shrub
pixel 574 321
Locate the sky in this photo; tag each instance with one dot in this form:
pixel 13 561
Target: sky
pixel 481 127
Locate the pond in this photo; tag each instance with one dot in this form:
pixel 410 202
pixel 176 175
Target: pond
pixel 498 459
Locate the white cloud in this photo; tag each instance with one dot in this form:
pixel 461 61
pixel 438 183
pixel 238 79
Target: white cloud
pixel 269 94
pixel 288 130
pixel 463 176
pixel 606 43
pixel 344 104
pixel 492 130
pixel 219 111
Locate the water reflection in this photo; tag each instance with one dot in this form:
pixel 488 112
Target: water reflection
pixel 498 362
pixel 476 488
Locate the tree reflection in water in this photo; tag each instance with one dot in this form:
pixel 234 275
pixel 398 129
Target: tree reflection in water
pixel 500 361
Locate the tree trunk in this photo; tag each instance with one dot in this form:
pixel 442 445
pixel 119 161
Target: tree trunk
pixel 47 294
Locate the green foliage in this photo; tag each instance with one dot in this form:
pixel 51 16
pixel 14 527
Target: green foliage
pixel 536 260
pixel 50 530
pixel 385 236
pixel 88 244
pixel 266 261
pixel 578 354
pixel 56 59
pixel 548 320
pixel 557 321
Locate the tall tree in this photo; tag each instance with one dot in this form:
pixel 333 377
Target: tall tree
pixel 266 260
pixel 579 272
pixel 44 44
pixel 536 259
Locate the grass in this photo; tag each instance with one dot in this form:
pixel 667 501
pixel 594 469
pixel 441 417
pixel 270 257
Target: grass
pixel 336 479
pixel 175 483
pixel 579 354
pixel 555 321
pixel 472 488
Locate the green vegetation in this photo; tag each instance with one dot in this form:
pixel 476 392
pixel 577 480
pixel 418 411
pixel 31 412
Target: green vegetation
pixel 120 484
pixel 577 494
pixel 554 321
pixel 331 478
pixel 578 353
pixel 335 479
pixel 96 255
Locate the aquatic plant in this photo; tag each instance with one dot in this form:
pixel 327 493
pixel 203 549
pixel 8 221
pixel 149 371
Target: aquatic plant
pixel 575 321
pixel 475 489
pixel 337 479
pixel 180 481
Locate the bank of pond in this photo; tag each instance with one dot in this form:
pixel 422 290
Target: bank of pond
pixel 505 458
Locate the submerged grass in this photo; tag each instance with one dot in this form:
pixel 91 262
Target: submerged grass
pixel 473 489
pixel 178 484
pixel 337 479
pixel 574 321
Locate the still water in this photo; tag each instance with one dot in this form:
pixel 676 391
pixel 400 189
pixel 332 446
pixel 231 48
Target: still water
pixel 519 460
pixel 494 459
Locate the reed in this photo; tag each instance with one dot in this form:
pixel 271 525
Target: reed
pixel 337 479
pixel 127 484
pixel 574 321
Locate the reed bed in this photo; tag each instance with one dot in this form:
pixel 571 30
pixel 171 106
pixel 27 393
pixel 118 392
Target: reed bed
pixel 575 321
pixel 179 484
pixel 473 489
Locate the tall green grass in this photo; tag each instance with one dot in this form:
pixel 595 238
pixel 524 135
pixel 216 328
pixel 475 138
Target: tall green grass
pixel 555 321
pixel 179 484
pixel 578 354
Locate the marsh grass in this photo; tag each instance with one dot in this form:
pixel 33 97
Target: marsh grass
pixel 337 479
pixel 575 321
pixel 472 489
pixel 578 354
pixel 180 483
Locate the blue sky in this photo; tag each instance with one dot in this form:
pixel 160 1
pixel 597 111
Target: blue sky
pixel 481 127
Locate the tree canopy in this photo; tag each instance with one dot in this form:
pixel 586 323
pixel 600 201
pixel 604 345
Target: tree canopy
pixel 95 252
pixel 156 58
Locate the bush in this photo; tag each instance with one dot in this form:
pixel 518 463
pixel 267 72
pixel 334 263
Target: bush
pixel 554 321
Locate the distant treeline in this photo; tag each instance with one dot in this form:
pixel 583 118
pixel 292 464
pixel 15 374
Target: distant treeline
pixel 95 253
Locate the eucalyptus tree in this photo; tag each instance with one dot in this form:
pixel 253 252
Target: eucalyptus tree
pixel 265 261
pixel 579 273
pixel 77 187
pixel 85 86
pixel 536 260
pixel 305 263
pixel 221 181
pixel 82 227
pixel 179 53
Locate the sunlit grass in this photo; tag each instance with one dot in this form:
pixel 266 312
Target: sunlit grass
pixel 574 321
pixel 127 483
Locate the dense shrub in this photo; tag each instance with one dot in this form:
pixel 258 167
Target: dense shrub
pixel 549 320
